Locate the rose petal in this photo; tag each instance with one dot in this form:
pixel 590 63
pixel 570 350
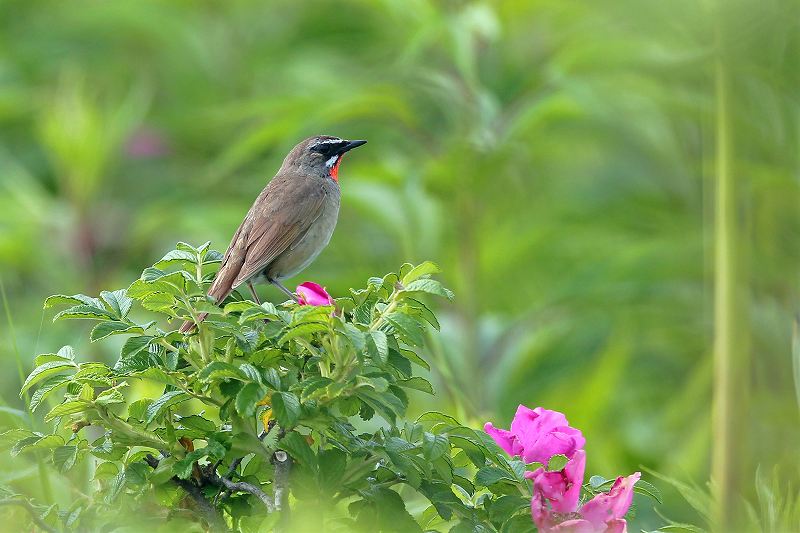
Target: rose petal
pixel 310 293
pixel 562 489
pixel 612 505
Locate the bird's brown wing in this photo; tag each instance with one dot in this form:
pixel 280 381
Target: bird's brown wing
pixel 281 221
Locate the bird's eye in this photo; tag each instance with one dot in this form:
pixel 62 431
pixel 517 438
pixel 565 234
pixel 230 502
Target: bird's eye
pixel 328 147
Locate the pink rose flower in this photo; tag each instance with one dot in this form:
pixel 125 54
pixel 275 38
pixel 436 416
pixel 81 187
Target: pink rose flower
pixel 310 293
pixel 538 434
pixel 562 489
pixel 602 514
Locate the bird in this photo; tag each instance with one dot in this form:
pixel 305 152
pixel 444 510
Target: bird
pixel 289 224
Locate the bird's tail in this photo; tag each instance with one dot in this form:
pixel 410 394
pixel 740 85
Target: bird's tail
pixel 189 325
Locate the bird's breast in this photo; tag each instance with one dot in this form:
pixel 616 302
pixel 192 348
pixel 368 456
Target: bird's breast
pixel 303 252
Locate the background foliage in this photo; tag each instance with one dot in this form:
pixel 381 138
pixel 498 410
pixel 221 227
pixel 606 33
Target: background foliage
pixel 555 158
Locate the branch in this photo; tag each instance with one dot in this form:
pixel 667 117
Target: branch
pixel 203 505
pixel 241 486
pixel 32 511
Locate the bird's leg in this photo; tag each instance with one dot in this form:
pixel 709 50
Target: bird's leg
pixel 284 289
pixel 253 292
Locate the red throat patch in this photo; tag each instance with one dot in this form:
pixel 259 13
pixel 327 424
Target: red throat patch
pixel 335 169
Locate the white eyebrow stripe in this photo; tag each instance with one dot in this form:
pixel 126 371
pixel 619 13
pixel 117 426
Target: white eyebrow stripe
pixel 332 161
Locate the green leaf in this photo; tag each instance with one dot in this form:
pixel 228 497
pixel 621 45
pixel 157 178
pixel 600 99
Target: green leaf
pixel 199 423
pixel 557 462
pixel 117 302
pixel 46 388
pixel 489 475
pixel 303 330
pixel 64 457
pixel 411 356
pixel 506 506
pixel 163 472
pixel 59 299
pixel 111 396
pixel 296 445
pixel 287 408
pixel 407 327
pixel 68 408
pixel 112 327
pixel 429 286
pixel 648 489
pixel 434 446
pixel 314 384
pixel 436 416
pixel 377 345
pixel 332 466
pixel 221 370
pixel 159 302
pixel 134 345
pixel 177 256
pixel 37 442
pixel 417 383
pixel 44 371
pixel 167 400
pixel 84 311
pixel 248 397
pixel 423 269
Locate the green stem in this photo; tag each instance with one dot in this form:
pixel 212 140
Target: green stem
pixel 44 477
pixel 729 385
pixel 147 438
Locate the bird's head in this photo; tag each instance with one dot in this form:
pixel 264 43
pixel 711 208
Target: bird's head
pixel 320 155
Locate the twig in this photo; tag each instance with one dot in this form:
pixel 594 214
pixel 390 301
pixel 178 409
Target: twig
pixel 215 521
pixel 32 511
pixel 241 486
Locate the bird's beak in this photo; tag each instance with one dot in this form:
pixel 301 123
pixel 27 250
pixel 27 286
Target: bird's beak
pixel 350 145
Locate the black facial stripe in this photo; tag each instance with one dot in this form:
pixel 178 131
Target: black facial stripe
pixel 328 147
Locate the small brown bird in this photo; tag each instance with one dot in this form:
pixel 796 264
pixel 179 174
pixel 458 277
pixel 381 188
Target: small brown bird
pixel 290 222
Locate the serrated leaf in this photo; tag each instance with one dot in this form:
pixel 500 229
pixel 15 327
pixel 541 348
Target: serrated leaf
pixel 332 466
pixel 112 327
pixel 429 286
pixel 64 457
pixel 410 330
pixel 489 475
pixel 68 408
pixel 648 489
pixel 30 444
pixel 117 302
pixel 159 302
pixel 46 388
pixel 303 330
pixel 287 408
pixel 221 370
pixel 434 446
pixel 296 445
pixel 377 345
pixel 423 269
pixel 417 383
pixel 198 422
pixel 436 416
pixel 557 462
pixel 111 396
pixel 248 397
pixel 45 371
pixel 84 311
pixel 135 345
pixel 167 400
pixel 59 299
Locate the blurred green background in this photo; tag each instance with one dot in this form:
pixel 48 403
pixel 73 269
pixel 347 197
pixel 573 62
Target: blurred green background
pixel 559 159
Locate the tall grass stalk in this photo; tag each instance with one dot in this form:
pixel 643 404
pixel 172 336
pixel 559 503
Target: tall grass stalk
pixel 44 477
pixel 727 382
